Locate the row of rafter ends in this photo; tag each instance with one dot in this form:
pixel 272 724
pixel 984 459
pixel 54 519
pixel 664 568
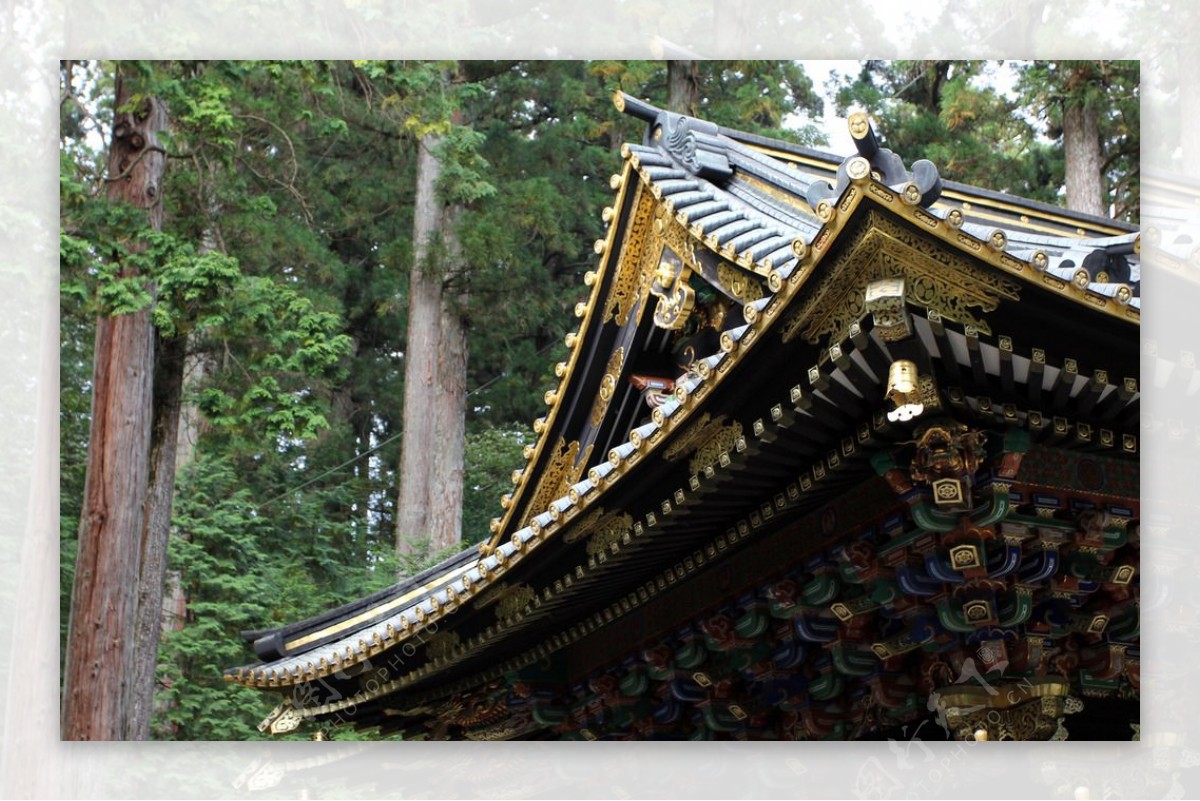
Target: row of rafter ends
pixel 384 635
pixel 399 627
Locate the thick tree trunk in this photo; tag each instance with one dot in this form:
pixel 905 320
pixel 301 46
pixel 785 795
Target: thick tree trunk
pixel 168 395
pixel 100 634
pixel 1081 147
pixel 683 89
pixel 429 508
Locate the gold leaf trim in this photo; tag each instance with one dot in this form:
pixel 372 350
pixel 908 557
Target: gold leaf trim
pixel 561 472
pixel 608 386
pixel 936 278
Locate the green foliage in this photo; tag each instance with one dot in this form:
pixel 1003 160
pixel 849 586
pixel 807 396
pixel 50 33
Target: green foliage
pixel 944 111
pixel 284 260
pixel 947 112
pixel 492 455
pixel 243 566
pixel 1112 90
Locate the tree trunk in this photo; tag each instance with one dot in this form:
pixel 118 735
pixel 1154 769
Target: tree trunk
pixel 1081 147
pixel 168 394
pixel 429 508
pixel 100 634
pixel 683 89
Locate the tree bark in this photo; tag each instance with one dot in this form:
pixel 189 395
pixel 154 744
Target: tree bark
pixel 168 395
pixel 1081 149
pixel 100 634
pixel 429 508
pixel 683 89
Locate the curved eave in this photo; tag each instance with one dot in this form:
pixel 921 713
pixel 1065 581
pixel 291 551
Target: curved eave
pixel 800 243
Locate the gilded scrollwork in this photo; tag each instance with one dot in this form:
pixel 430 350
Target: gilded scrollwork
pixel 935 278
pixel 561 472
pixel 637 248
pixel 609 530
pixel 720 439
pixel 608 386
pixel 584 527
pixel 675 296
pixel 514 600
pixel 687 441
pixel 744 288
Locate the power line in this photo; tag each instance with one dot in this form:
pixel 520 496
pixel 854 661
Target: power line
pixel 379 446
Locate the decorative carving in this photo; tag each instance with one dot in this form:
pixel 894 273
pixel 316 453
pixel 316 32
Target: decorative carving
pixel 494 733
pixel 935 278
pixel 948 454
pixel 514 600
pixel 743 288
pixel 627 283
pixel 719 440
pixel 693 142
pixel 561 471
pixel 283 718
pixel 1032 709
pixel 442 644
pixel 705 440
pixel 670 286
pixel 491 595
pixel 884 299
pixel 608 385
pixel 609 530
pixel 584 526
pixel 686 442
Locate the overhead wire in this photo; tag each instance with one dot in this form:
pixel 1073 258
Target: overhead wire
pixel 376 448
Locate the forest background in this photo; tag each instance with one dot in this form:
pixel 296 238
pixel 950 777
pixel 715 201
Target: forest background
pixel 281 281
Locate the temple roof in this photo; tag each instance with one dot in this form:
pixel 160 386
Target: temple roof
pixel 773 233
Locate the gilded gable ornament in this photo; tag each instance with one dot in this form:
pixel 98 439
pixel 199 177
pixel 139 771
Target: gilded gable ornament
pixel 934 278
pixel 561 472
pixel 640 243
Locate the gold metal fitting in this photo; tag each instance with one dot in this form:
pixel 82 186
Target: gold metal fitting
pixel 858 168
pixel 560 369
pixel 589 278
pixel 571 339
pixel 799 248
pixel 539 425
pixel 607 214
pixel 825 211
pixel 615 181
pixel 618 99
pixel 551 397
pixel 955 218
pixel 599 246
pixel 1040 260
pixel 997 240
pixel 580 309
pixel 664 274
pixel 911 194
pixel 902 391
pixel 859 124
